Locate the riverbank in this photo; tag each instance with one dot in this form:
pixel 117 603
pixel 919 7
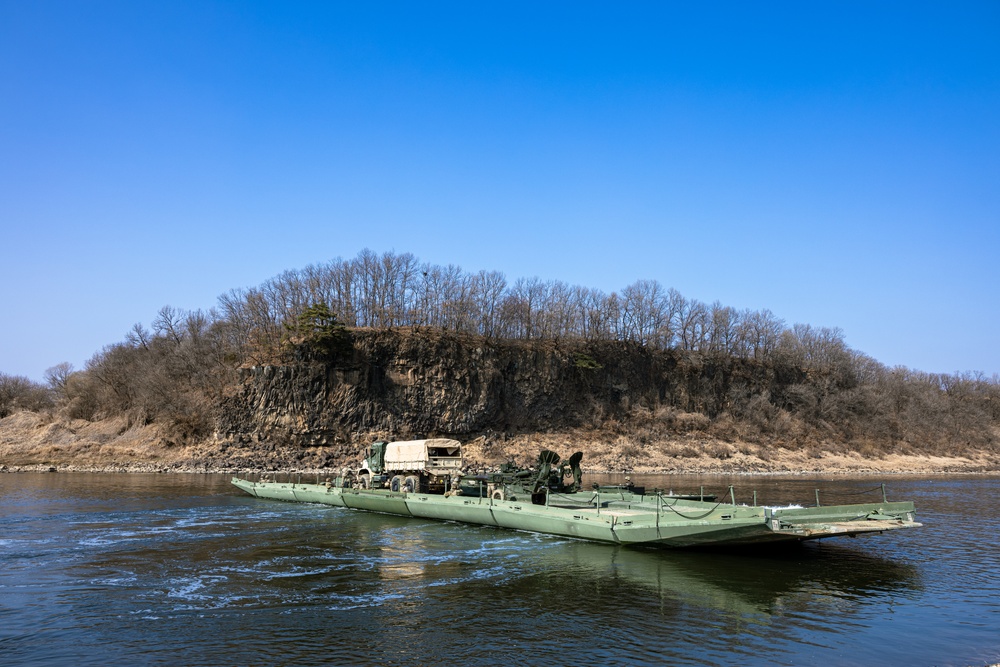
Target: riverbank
pixel 37 442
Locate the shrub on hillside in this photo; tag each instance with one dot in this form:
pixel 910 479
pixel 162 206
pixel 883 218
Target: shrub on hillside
pixel 19 393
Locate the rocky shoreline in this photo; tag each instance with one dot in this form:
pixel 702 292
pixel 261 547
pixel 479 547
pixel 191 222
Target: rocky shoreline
pixel 956 470
pixel 31 442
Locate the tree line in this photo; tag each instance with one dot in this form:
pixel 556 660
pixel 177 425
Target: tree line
pixel 397 290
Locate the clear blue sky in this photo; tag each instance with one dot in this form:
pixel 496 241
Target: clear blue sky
pixel 836 163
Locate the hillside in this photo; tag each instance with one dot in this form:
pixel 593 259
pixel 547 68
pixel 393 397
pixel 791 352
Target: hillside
pixel 627 406
pixel 304 369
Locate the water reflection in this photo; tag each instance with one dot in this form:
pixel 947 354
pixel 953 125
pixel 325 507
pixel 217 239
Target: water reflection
pixel 756 582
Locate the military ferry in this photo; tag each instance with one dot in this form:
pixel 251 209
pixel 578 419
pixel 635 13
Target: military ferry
pixel 424 479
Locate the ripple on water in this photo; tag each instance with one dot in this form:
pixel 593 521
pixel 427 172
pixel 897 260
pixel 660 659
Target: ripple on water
pixel 214 578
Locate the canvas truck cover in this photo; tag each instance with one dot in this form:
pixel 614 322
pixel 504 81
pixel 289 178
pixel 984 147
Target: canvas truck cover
pixel 420 454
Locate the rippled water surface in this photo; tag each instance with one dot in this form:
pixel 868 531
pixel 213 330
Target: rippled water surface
pixel 184 570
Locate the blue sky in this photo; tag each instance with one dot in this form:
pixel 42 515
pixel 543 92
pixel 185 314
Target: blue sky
pixel 838 164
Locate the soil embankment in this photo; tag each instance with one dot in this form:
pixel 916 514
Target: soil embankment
pixel 31 442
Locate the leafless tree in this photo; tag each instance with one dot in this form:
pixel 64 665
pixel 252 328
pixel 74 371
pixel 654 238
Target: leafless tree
pixel 138 336
pixel 169 323
pixel 723 323
pixel 644 312
pixel 692 324
pixel 57 376
pixel 489 288
pixel 525 301
pixel 19 393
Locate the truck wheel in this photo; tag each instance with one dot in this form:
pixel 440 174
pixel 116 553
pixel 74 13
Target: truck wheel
pixel 411 484
pixel 366 481
pixel 396 484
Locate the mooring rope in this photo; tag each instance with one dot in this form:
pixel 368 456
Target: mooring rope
pixel 684 516
pixel 852 493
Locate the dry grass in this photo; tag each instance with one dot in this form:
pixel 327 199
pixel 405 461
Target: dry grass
pixel 37 441
pixel 33 440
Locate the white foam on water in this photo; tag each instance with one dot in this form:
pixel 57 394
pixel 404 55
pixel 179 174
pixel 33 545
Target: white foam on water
pixel 190 588
pixel 365 601
pixel 297 573
pixel 116 581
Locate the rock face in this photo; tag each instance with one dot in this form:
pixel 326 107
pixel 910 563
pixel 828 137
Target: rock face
pixel 420 383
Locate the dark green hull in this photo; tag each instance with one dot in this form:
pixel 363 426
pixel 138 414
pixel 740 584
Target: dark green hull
pixel 617 518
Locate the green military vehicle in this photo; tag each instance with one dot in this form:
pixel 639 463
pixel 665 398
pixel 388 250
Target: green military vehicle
pixel 411 465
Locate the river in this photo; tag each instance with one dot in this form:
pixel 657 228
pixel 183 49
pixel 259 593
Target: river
pixel 99 569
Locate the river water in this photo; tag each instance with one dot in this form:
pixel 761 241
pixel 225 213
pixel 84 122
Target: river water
pixel 185 570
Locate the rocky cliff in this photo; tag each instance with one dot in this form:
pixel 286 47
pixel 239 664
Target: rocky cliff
pixel 418 383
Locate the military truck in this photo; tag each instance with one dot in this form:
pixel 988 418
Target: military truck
pixel 427 466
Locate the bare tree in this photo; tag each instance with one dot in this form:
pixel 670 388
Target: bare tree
pixel 489 288
pixel 457 300
pixel 723 322
pixel 557 317
pixel 57 376
pixel 528 296
pixel 19 393
pixel 692 324
pixel 590 319
pixel 138 336
pixel 169 323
